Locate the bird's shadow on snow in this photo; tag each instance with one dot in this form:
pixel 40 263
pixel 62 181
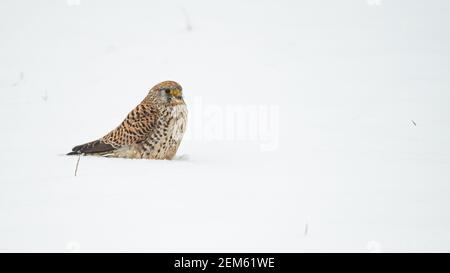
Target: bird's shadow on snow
pixel 183 157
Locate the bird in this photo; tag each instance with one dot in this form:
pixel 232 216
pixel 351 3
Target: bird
pixel 152 130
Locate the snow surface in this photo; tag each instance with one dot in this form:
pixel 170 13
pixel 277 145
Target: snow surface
pixel 361 155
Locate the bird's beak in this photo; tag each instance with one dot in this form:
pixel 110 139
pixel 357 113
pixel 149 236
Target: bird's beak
pixel 176 93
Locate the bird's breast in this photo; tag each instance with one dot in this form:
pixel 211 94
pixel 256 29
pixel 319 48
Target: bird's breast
pixel 177 125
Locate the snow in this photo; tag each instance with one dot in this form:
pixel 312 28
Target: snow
pixel 351 151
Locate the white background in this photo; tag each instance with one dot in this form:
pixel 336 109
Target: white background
pixel 351 171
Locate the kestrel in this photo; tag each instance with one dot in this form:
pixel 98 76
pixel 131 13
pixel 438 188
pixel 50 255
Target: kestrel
pixel 152 130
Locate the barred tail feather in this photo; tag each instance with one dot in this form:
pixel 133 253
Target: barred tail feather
pixel 94 147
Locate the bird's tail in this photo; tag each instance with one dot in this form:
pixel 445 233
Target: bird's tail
pixel 93 147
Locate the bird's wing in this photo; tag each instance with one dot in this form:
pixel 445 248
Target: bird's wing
pixel 136 127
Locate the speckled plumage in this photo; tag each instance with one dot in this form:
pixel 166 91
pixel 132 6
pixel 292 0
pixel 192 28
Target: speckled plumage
pixel 152 130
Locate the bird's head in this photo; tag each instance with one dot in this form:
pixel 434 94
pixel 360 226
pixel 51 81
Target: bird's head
pixel 168 92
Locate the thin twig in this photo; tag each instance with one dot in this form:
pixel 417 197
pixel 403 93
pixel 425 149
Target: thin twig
pixel 19 80
pixel 45 96
pixel 78 162
pixel 187 20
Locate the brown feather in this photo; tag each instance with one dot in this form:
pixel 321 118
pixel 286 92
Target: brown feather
pixel 93 147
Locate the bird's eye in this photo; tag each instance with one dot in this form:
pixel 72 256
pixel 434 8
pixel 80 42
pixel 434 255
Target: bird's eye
pixel 167 90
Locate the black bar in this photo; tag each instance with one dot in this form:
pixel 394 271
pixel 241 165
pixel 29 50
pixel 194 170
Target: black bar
pixel 223 262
